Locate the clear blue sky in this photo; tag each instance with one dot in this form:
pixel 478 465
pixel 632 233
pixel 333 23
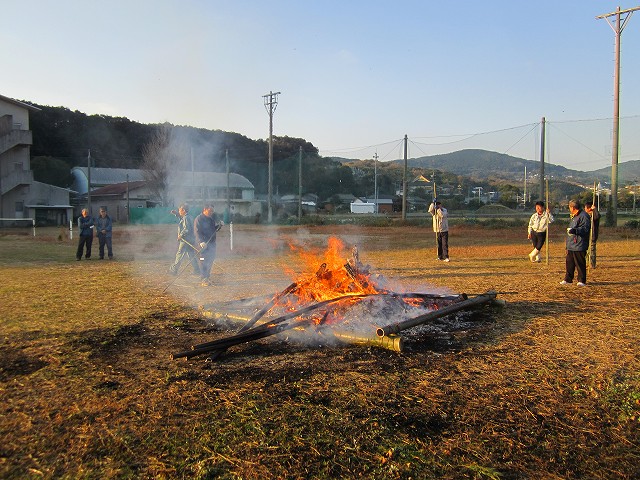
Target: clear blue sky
pixel 352 73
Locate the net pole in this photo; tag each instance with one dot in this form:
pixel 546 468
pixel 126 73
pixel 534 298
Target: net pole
pixel 548 217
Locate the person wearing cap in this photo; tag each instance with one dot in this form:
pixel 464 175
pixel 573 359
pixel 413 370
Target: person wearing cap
pixel 537 230
pixel 577 242
pixel 441 227
pixel 186 240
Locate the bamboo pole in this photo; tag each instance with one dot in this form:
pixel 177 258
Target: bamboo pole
pixel 548 222
pixel 390 342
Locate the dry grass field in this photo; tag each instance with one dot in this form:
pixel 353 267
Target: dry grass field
pixel 547 386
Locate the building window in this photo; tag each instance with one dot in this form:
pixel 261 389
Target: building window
pixel 19 207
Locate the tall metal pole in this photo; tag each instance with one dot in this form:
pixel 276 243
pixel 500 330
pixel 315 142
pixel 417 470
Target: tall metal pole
pixel 270 103
pixel 524 200
pixel 128 204
pixel 548 223
pixel 375 180
pixel 300 184
pixel 612 219
pixel 89 181
pixel 542 149
pixel 404 182
pixel 226 156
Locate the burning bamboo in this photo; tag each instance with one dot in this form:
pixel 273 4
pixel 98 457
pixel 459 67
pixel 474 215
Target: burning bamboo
pixel 443 312
pixel 259 314
pixel 272 327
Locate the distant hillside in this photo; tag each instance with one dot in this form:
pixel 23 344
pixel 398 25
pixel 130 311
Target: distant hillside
pixel 483 164
pixel 628 172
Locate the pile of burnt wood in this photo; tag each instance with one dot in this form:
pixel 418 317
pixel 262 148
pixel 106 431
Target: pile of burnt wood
pixel 328 319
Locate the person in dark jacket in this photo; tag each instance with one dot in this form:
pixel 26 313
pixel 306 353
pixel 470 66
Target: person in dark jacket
pixel 591 209
pixel 205 227
pixel 186 240
pixel 103 229
pixel 577 243
pixel 85 225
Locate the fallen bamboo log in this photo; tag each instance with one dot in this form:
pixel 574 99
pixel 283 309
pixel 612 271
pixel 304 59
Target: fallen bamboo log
pixel 443 312
pixel 245 337
pixel 266 329
pixel 390 342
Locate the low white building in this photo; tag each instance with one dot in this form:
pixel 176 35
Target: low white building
pixel 360 206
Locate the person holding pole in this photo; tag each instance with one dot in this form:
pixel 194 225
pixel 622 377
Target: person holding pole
pixel 577 243
pixel 186 239
pixel 441 227
pixel 537 230
pixel 205 228
pixel 591 209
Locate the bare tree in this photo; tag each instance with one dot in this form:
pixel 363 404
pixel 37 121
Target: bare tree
pixel 162 158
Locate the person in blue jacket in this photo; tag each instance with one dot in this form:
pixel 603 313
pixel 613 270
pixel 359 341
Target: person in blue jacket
pixel 205 228
pixel 104 227
pixel 85 225
pixel 577 242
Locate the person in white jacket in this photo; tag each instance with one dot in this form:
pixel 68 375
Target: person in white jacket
pixel 537 230
pixel 441 227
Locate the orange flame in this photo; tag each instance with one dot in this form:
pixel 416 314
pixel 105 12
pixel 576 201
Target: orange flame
pixel 331 275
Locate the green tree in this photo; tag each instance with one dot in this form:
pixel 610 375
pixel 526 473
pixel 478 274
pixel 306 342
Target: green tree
pixel 53 171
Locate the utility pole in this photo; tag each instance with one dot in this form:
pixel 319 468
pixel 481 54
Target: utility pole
pixel 270 103
pixel 89 181
pixel 542 144
pixel 128 204
pixel 524 199
pixel 300 184
pixel 618 27
pixel 404 182
pixel 375 180
pixel 226 156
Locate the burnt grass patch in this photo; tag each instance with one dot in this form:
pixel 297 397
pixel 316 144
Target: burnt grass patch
pixel 16 362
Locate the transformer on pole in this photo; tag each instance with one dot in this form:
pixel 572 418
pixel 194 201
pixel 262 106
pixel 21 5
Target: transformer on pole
pixel 270 103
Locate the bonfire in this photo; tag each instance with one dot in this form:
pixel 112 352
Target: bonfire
pixel 336 300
